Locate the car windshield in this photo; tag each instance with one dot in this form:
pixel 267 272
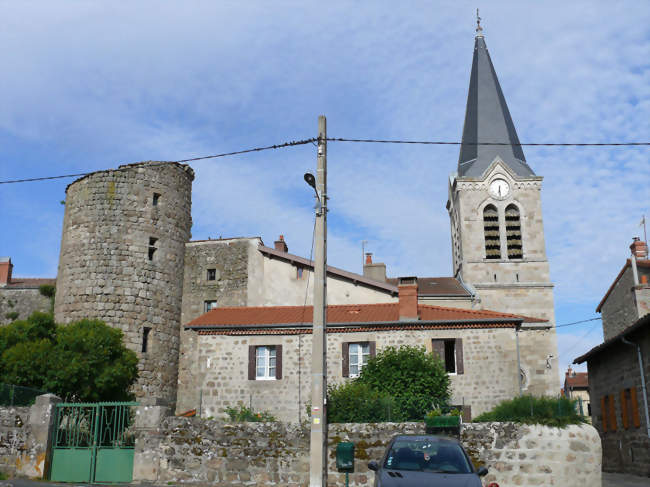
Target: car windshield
pixel 428 455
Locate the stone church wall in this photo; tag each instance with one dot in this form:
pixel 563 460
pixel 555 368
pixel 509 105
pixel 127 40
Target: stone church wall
pixel 121 261
pixel 490 368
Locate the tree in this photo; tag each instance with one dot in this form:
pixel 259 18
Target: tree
pixel 417 380
pixel 83 361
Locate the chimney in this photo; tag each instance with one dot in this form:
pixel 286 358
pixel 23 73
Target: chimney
pixel 408 298
pixel 639 248
pixel 281 245
pixel 5 271
pixel 376 272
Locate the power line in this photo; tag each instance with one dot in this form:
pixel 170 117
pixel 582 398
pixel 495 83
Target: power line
pixel 578 341
pixel 538 144
pixel 225 154
pixel 577 322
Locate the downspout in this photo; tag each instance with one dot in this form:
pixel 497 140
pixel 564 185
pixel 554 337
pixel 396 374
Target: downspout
pixel 645 394
pixel 519 364
pixel 468 287
pixel 635 272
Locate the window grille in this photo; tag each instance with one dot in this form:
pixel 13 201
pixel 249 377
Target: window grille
pixel 513 233
pixel 491 230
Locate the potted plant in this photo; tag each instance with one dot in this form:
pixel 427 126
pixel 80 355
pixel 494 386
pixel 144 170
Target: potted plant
pixel 438 423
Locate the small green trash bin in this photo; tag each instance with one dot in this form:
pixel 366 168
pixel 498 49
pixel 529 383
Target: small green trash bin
pixel 345 457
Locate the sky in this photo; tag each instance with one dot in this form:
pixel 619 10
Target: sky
pixel 89 85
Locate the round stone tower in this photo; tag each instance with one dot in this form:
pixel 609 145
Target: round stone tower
pixel 122 253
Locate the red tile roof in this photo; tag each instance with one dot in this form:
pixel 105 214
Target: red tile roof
pixel 576 380
pixel 643 263
pixel 385 314
pixel 29 282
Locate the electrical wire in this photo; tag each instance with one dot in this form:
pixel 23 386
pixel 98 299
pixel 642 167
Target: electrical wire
pixel 577 322
pixel 578 341
pixel 538 144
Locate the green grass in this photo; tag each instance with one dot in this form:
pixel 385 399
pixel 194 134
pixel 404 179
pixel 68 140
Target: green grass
pixel 3 476
pixel 547 411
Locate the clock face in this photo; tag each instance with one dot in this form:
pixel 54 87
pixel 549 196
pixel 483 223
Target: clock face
pixel 499 188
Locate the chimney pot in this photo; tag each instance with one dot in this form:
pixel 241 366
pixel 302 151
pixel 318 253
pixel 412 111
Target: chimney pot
pixel 368 258
pixel 281 245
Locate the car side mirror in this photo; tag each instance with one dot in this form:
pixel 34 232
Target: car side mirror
pixel 482 471
pixel 372 465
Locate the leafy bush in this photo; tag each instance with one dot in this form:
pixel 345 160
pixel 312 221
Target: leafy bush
pixel 354 402
pixel 417 380
pixel 528 409
pixel 12 315
pixel 242 414
pixel 84 361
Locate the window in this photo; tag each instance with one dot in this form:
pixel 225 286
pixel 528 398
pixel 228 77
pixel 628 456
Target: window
pixel 208 305
pixel 300 272
pixel 152 247
pixel 450 351
pixel 355 355
pixel 513 233
pixel 212 274
pixel 156 199
pixel 491 232
pixel 145 338
pixel 265 362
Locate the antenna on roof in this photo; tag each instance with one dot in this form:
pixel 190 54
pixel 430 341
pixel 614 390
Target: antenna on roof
pixel 479 29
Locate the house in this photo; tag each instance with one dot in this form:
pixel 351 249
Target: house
pixel 261 356
pixel 576 386
pixel 618 369
pixel 20 296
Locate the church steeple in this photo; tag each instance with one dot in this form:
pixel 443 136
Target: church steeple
pixel 487 119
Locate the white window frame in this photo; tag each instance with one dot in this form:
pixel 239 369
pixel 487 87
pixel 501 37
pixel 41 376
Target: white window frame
pixel 361 352
pixel 264 354
pixel 209 305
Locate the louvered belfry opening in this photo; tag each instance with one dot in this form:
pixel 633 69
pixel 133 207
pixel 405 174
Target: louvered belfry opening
pixel 491 229
pixel 513 233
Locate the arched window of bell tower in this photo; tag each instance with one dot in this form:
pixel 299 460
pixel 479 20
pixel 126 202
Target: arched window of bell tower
pixel 513 232
pixel 491 232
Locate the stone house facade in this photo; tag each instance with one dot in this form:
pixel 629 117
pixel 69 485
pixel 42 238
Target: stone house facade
pixel 20 296
pixel 260 356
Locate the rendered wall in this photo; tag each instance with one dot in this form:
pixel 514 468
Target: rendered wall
pixel 104 267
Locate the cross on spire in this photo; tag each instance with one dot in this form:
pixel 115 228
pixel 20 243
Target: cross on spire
pixel 479 29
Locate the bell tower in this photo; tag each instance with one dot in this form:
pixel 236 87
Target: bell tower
pixel 497 231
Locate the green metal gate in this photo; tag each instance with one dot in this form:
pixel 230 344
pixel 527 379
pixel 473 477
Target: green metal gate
pixel 93 442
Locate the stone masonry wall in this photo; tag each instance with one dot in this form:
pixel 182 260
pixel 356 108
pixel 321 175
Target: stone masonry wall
pixel 14 434
pixel 610 372
pixel 23 301
pixel 619 310
pixel 191 450
pixel 105 269
pixel 490 363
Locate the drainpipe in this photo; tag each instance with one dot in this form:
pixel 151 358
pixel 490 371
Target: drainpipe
pixel 645 394
pixel 519 364
pixel 635 273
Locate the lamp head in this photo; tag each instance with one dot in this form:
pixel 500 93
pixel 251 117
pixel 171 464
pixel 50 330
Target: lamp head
pixel 310 179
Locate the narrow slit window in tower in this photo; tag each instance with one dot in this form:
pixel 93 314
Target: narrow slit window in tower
pixel 152 247
pixel 145 338
pixel 513 233
pixel 156 198
pixel 491 231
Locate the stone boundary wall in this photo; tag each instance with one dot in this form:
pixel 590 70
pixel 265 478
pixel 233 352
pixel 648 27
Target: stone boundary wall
pixel 194 450
pixel 25 438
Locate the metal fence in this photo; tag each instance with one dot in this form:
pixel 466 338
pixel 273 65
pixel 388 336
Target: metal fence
pixel 11 395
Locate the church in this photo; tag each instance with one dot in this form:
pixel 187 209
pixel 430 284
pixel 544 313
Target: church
pixel 223 322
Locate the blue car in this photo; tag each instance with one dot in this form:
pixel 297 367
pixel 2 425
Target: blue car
pixel 426 460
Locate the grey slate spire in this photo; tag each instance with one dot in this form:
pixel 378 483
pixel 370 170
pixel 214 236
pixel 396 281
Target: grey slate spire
pixel 487 119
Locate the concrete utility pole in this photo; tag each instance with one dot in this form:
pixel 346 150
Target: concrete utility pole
pixel 318 444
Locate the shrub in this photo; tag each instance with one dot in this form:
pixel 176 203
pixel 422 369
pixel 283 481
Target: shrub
pixel 417 380
pixel 528 409
pixel 12 315
pixel 242 414
pixel 355 402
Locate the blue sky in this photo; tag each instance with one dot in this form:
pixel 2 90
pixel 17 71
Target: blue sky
pixel 91 85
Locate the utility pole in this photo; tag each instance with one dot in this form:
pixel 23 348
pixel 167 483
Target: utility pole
pixel 318 443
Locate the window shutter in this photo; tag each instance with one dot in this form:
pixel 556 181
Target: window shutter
pixel 372 348
pixel 345 363
pixel 251 362
pixel 603 412
pixel 460 368
pixel 278 361
pixel 438 347
pixel 636 420
pixel 624 417
pixel 612 413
